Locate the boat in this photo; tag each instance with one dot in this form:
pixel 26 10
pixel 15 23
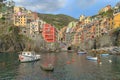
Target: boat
pixel 104 55
pixel 92 58
pixel 81 52
pixel 47 67
pixel 28 56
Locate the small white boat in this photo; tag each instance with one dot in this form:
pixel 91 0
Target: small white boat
pixel 81 52
pixel 27 56
pixel 91 58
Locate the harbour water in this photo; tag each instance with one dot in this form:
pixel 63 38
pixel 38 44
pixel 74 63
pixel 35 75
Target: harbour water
pixel 68 66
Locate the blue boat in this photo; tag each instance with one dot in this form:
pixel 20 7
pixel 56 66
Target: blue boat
pixel 104 55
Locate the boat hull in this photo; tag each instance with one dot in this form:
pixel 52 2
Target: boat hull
pixel 91 58
pixel 104 55
pixel 24 58
pixel 47 68
pixel 81 52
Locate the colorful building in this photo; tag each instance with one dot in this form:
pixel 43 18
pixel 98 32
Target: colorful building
pixel 62 34
pixel 20 16
pixel 49 33
pixel 34 27
pixel 77 36
pixel 98 29
pixel 19 9
pixel 116 18
pixel 23 18
pixel 20 19
pixel 110 23
pixel 105 9
pixel 32 16
pixel 87 20
pixel 81 18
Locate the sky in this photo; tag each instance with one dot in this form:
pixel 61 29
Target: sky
pixel 73 8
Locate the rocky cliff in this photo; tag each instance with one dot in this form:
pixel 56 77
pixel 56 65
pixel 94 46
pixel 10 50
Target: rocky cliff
pixel 106 40
pixel 10 39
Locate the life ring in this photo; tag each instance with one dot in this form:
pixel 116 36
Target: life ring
pixel 21 58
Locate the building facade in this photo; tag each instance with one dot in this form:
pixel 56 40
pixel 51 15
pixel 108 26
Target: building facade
pixel 20 20
pixel 116 18
pixel 49 33
pixel 22 17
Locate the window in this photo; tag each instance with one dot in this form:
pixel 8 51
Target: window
pixel 112 22
pixel 24 31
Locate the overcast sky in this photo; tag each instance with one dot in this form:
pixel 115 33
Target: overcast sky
pixel 72 8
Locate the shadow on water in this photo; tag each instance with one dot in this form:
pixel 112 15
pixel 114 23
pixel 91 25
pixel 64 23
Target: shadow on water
pixel 8 65
pixel 116 62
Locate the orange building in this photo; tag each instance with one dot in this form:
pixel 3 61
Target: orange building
pixel 117 20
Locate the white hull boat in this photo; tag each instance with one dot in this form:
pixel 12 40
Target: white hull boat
pixel 28 56
pixel 81 52
pixel 91 58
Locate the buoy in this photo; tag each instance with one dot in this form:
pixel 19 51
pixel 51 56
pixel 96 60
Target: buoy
pixel 21 58
pixel 68 62
pixel 73 57
pixel 100 62
pixel 110 61
pixel 73 60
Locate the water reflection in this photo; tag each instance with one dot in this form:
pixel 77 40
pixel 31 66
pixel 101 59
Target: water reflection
pixel 27 71
pixel 79 68
pixel 49 58
pixel 8 66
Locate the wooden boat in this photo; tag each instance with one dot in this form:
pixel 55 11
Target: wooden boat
pixel 28 56
pixel 91 58
pixel 47 67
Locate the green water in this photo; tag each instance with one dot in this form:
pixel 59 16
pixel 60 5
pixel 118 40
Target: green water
pixel 68 66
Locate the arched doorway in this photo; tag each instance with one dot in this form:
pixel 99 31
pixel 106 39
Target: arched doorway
pixel 69 48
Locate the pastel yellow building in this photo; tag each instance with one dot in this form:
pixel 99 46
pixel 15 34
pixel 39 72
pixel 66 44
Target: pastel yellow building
pixel 81 18
pixel 117 20
pixel 19 9
pixel 22 17
pixel 20 20
pixel 87 20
